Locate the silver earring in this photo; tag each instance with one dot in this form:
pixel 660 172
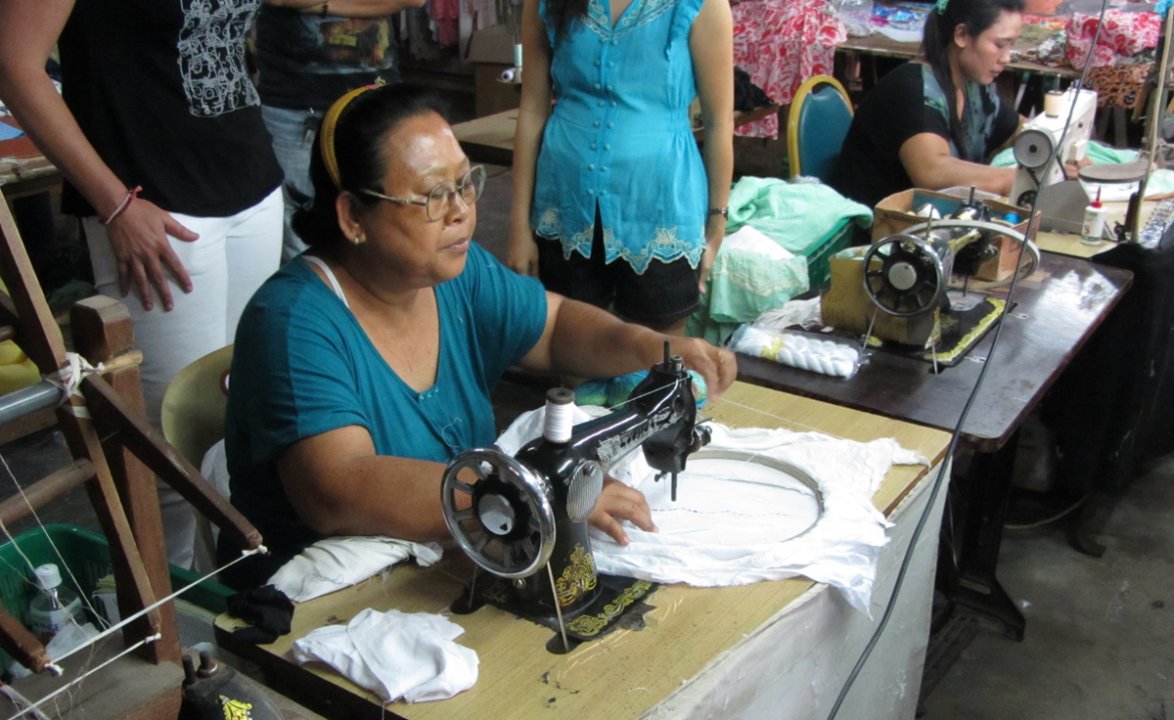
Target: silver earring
pixel 358 239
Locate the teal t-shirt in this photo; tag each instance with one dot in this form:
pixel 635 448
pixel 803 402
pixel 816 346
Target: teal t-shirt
pixel 302 366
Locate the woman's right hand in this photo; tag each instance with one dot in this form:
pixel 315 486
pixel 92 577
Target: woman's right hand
pixel 523 251
pixel 138 239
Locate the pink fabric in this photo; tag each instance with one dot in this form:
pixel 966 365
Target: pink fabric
pixel 1125 34
pixel 446 14
pixel 781 43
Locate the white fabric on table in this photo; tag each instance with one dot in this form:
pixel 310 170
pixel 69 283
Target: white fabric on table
pixel 337 562
pixel 394 654
pixel 333 563
pixel 717 534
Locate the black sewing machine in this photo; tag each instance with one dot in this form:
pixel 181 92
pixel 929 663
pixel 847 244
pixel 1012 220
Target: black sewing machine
pixel 906 276
pixel 524 518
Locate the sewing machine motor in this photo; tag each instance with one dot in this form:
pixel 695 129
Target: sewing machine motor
pixel 1062 206
pixel 517 516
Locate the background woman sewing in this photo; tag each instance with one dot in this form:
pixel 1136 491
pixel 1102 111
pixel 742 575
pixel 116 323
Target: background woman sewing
pixel 366 364
pixel 935 121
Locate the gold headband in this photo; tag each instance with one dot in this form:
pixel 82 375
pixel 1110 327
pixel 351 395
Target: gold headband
pixel 329 124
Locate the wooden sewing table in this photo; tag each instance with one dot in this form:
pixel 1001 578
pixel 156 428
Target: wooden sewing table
pixel 1055 312
pixel 23 169
pixel 782 648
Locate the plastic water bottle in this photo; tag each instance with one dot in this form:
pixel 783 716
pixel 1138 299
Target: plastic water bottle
pixel 855 14
pixel 54 606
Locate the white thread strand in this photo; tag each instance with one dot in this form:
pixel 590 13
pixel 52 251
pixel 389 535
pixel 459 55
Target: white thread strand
pixel 109 629
pixel 791 423
pixel 48 537
pixel 71 683
pixel 162 601
pixel 20 700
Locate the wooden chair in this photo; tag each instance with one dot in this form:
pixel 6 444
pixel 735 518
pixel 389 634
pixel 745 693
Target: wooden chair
pixel 817 123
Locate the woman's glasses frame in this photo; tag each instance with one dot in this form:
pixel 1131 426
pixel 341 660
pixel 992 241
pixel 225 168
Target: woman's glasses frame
pixel 438 203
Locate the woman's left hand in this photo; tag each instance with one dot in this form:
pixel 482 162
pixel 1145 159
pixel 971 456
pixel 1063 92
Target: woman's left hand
pixel 715 232
pixel 704 267
pixel 1072 169
pixel 619 502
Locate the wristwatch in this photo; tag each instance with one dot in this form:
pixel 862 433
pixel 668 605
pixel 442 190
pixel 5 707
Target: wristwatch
pixel 723 211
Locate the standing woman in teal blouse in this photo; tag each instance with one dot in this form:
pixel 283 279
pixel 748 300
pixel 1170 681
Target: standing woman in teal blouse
pixel 614 203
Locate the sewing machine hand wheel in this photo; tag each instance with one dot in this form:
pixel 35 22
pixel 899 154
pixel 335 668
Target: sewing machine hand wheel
pixel 1033 149
pixel 903 275
pixel 1025 267
pixel 508 528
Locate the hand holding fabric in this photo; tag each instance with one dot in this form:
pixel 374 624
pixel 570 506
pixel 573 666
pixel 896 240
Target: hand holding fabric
pixel 620 502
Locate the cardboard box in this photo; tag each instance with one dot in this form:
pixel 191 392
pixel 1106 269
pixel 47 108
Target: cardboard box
pixel 491 51
pixel 895 213
pixel 845 305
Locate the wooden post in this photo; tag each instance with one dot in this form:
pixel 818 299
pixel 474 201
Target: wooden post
pixel 102 330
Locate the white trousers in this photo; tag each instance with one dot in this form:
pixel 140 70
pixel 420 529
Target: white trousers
pixel 229 261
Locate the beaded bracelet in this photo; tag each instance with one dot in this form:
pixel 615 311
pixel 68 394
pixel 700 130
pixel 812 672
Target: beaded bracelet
pixel 131 194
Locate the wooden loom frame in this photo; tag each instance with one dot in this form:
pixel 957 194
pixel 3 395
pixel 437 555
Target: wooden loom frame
pixel 117 456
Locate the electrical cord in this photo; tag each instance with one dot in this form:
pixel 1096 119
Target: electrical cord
pixel 1051 519
pixel 956 434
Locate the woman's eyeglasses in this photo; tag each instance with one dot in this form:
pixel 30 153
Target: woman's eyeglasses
pixel 439 201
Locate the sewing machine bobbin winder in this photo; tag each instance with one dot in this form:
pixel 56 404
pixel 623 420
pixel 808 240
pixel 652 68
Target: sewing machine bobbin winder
pixel 517 516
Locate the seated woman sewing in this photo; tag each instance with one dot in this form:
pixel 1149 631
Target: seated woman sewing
pixel 366 363
pixel 935 121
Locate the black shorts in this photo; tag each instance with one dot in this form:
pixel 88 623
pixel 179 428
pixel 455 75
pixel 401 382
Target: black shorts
pixel 663 295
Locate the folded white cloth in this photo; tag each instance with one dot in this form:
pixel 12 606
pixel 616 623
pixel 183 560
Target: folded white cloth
pixel 333 563
pixel 395 655
pixel 338 562
pixel 740 526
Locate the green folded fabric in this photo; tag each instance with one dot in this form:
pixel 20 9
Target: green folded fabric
pixel 799 216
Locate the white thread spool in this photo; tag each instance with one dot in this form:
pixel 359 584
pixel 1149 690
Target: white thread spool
pixel 508 75
pixel 1053 103
pixel 560 415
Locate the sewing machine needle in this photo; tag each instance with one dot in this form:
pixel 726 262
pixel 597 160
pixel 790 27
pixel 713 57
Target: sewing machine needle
pixel 558 611
pixel 673 491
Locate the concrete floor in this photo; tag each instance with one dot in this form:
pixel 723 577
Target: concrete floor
pixel 1099 642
